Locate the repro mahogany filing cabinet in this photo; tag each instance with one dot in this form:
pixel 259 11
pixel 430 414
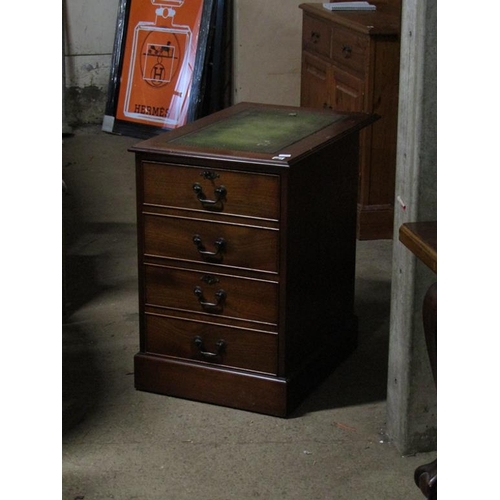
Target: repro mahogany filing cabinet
pixel 246 242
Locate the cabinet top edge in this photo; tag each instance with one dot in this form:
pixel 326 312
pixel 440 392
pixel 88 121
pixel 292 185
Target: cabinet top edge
pixel 171 144
pixel 383 21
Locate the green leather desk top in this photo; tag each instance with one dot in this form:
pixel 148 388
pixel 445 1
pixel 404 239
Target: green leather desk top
pixel 258 130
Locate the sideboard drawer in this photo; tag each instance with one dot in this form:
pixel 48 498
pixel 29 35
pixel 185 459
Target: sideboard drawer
pixel 350 49
pixel 214 294
pixel 214 344
pixel 212 242
pixel 316 36
pixel 227 192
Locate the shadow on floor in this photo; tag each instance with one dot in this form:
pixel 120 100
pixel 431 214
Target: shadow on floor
pixel 362 377
pixel 79 376
pixel 99 298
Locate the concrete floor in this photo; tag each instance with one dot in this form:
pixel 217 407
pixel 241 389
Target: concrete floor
pixel 124 444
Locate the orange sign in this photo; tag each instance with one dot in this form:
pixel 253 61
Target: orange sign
pixel 158 62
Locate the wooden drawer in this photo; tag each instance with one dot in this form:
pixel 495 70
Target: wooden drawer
pixel 350 49
pixel 213 294
pixel 218 243
pixel 238 193
pixel 214 344
pixel 316 36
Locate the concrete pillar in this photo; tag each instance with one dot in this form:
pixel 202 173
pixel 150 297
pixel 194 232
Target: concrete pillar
pixel 411 397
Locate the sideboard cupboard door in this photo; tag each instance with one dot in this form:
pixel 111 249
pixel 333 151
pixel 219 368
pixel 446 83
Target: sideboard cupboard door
pixel 315 89
pixel 348 91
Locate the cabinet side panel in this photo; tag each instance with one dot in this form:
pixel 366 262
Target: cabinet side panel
pixel 321 248
pixel 315 85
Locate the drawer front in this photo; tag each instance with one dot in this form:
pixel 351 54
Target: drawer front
pixel 213 190
pixel 214 294
pixel 213 344
pixel 350 49
pixel 316 36
pixel 212 242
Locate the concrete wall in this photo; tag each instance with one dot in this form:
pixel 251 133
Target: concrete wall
pixel 267 51
pixel 89 32
pixel 266 54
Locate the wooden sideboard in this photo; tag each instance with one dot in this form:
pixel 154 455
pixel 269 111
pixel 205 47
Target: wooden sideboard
pixel 246 241
pixel 350 62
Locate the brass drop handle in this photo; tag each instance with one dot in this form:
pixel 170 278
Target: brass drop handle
pixel 220 295
pixel 220 345
pixel 219 192
pixel 220 245
pixel 346 51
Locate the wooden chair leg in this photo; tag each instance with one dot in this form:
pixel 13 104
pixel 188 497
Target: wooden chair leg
pixel 426 479
pixel 429 315
pixel 426 475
